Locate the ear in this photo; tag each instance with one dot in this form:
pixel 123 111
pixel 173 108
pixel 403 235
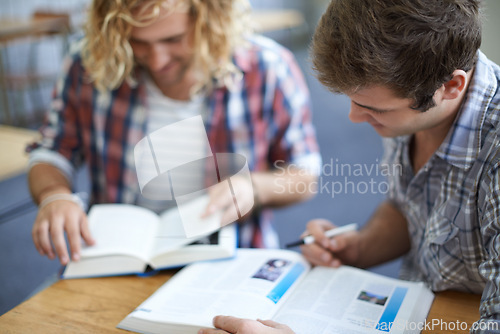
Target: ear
pixel 454 88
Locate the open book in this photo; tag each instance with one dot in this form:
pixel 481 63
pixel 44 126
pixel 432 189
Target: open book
pixel 280 285
pixel 130 238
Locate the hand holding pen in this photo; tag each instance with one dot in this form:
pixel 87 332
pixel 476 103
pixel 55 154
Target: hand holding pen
pixel 309 239
pixel 324 247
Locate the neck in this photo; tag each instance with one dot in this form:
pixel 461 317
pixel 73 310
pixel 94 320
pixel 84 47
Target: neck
pixel 426 142
pixel 180 90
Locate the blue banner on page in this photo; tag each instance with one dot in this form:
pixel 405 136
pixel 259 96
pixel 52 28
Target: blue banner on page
pixel 287 281
pixel 391 310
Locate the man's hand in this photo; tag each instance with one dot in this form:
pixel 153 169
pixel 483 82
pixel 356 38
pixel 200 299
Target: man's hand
pixel 222 199
pixel 232 325
pixel 383 238
pixel 52 221
pixel 330 252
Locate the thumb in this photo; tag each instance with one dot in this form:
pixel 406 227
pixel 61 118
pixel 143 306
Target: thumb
pixel 341 242
pixel 271 323
pixel 85 231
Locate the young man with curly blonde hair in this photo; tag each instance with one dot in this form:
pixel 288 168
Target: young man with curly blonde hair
pixel 144 64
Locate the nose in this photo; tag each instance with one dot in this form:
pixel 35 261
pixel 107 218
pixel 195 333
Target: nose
pixel 357 114
pixel 158 57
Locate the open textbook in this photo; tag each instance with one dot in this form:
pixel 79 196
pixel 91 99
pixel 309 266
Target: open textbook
pixel 130 238
pixel 280 285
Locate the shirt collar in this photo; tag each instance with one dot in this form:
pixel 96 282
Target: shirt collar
pixel 246 56
pixel 242 60
pixel 462 144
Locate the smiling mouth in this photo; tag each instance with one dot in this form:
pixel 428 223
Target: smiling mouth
pixel 167 68
pixel 375 124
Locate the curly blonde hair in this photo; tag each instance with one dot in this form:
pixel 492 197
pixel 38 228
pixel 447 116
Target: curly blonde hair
pixel 219 26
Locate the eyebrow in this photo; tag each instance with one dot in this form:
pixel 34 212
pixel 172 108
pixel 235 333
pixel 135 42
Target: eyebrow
pixel 166 39
pixel 372 108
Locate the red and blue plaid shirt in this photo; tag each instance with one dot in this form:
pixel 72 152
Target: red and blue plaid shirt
pixel 266 117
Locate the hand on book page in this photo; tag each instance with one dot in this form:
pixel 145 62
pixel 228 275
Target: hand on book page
pixel 59 215
pixel 129 238
pixel 240 197
pixel 233 325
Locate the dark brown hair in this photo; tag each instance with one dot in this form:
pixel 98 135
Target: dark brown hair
pixel 410 46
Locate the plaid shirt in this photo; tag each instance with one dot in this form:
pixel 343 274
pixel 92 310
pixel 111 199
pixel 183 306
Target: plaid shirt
pixel 266 117
pixel 452 204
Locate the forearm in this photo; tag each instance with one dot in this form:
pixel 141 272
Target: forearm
pixel 385 236
pixel 45 180
pixel 278 188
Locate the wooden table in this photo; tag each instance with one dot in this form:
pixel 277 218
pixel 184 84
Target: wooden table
pixel 13 158
pixel 450 306
pixel 97 305
pixel 94 305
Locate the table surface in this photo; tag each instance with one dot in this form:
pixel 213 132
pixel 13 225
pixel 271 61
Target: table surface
pixel 13 158
pixel 97 305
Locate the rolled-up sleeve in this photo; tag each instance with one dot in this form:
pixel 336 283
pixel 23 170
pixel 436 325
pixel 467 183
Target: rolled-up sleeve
pixel 60 144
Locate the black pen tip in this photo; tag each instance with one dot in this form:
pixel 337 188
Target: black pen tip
pixel 294 244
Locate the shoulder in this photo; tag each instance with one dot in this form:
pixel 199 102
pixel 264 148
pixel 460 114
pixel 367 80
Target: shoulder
pixel 261 52
pixel 74 54
pixel 491 124
pixel 479 120
pixel 485 91
pixel 75 73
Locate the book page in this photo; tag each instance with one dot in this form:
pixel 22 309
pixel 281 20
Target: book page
pixel 120 229
pixel 350 300
pixel 219 245
pixel 170 234
pixel 192 206
pixel 252 285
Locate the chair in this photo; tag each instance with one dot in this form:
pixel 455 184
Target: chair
pixel 42 25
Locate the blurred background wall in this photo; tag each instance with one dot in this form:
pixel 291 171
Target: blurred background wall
pixel 491 29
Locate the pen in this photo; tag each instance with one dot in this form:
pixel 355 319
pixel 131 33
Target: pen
pixel 329 234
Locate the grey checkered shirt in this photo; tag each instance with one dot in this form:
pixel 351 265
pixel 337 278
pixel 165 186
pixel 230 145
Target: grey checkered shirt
pixel 452 204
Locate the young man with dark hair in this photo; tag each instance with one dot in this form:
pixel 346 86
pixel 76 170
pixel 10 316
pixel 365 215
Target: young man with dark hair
pixel 413 70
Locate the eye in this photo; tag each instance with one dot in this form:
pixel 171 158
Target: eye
pixel 376 111
pixel 173 40
pixel 136 43
pixel 371 109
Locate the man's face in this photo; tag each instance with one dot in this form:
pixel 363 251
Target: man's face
pixel 392 116
pixel 164 48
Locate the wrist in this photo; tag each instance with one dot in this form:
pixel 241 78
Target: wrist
pixel 49 191
pixel 364 248
pixel 257 195
pixel 77 198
